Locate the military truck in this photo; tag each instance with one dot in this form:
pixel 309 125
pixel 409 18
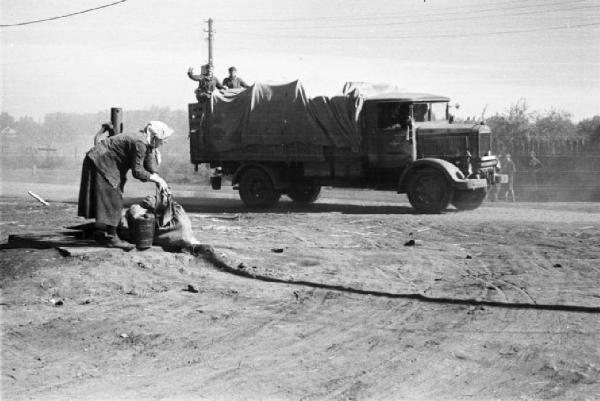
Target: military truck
pixel 274 140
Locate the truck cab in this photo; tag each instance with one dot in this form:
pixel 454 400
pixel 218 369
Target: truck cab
pixel 405 133
pixel 402 128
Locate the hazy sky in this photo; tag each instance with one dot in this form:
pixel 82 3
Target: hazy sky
pixel 136 54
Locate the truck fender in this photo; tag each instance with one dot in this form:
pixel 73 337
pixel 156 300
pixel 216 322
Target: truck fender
pixel 274 174
pixel 452 172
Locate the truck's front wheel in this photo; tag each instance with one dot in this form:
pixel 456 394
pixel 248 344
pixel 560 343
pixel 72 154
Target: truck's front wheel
pixel 257 189
pixel 304 192
pixel 429 191
pixel 469 199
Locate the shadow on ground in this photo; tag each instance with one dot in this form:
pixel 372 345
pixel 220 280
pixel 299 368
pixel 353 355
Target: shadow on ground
pixel 212 205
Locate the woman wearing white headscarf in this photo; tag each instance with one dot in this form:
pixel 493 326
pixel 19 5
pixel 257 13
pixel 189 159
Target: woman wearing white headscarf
pixel 104 173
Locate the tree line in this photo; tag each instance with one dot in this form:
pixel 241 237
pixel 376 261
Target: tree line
pixel 61 139
pixel 519 125
pixel 58 130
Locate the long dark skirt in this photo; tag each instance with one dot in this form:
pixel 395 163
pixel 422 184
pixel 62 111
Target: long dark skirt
pixel 97 198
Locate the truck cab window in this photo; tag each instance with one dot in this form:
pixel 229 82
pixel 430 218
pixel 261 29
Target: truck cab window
pixel 430 111
pixel 392 115
pixel 421 112
pixel 438 111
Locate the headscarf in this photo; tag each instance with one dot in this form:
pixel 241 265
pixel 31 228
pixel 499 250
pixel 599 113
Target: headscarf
pixel 159 130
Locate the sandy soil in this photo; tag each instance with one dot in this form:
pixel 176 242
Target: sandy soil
pixel 128 329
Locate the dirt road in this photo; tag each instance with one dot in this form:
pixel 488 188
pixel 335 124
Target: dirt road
pixel 129 329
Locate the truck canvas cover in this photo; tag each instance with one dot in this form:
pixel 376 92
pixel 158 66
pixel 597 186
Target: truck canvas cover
pixel 274 115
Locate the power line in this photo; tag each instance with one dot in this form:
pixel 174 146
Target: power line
pixel 420 36
pixel 461 18
pixel 62 16
pixel 352 17
pixel 435 12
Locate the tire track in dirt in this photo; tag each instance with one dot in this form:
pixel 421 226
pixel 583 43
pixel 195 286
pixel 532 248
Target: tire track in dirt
pixel 282 313
pixel 486 255
pixel 357 335
pixel 511 359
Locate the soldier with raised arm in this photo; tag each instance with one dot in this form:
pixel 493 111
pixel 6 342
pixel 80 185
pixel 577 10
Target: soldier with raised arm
pixel 206 82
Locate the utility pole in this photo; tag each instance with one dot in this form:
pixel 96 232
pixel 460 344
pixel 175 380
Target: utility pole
pixel 210 41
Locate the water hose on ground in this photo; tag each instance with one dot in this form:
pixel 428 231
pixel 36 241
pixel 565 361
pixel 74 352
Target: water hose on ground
pixel 219 261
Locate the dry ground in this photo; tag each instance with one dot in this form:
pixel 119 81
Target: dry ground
pixel 128 329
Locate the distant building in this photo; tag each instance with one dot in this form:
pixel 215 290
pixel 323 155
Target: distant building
pixel 8 132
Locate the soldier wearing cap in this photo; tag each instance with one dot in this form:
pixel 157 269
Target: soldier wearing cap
pixel 207 83
pixel 233 81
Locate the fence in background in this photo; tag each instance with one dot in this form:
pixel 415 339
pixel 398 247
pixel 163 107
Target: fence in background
pixel 570 169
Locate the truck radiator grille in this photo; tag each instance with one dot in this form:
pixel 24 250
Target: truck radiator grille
pixel 449 146
pixel 442 146
pixel 485 143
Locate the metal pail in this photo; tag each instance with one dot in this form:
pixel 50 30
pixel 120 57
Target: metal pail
pixel 143 231
pixel 215 182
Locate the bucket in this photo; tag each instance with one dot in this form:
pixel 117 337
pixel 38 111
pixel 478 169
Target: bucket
pixel 142 231
pixel 215 182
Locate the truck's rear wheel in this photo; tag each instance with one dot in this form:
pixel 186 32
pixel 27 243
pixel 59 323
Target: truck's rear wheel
pixel 304 192
pixel 257 189
pixel 469 199
pixel 429 191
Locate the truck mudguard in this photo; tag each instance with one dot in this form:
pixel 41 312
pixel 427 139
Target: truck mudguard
pixel 452 172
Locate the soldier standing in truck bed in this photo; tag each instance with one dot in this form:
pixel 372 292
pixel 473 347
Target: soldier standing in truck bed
pixel 233 81
pixel 206 82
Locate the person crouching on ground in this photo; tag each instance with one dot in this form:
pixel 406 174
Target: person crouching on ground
pixel 104 173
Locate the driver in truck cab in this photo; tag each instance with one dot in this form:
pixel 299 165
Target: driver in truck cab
pixel 394 116
pixel 420 112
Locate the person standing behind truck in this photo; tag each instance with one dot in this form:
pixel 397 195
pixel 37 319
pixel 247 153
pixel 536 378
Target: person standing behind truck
pixel 509 168
pixel 534 165
pixel 233 81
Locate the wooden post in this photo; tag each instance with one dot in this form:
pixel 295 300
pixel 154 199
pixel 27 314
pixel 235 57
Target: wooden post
pixel 116 118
